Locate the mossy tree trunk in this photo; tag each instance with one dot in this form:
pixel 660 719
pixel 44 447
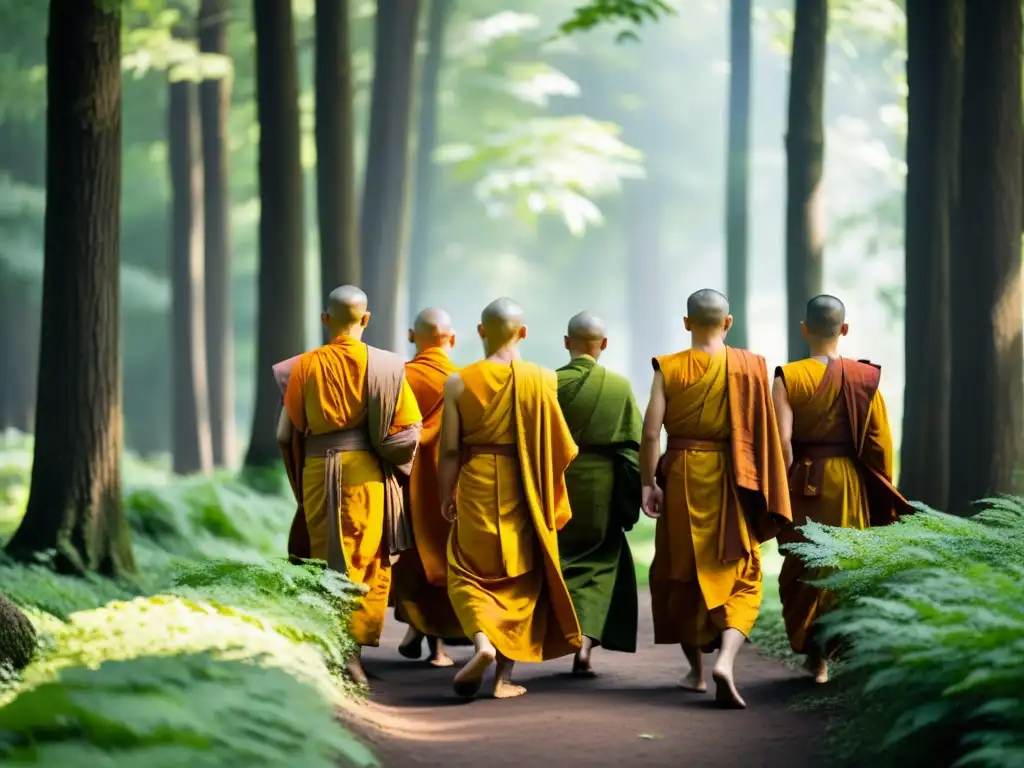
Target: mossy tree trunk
pixel 75 504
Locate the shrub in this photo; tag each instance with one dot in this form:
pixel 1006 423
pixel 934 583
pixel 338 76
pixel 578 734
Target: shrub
pixel 17 636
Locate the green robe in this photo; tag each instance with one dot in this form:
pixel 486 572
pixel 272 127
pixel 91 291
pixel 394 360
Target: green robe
pixel 604 492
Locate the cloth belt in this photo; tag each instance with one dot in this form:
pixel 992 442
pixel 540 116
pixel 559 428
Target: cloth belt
pixel 823 451
pixel 492 449
pixel 694 444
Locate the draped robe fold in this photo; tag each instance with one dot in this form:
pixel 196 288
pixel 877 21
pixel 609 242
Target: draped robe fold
pixel 504 578
pixel 725 492
pixel 326 393
pixel 421 575
pixel 841 474
pixel 604 488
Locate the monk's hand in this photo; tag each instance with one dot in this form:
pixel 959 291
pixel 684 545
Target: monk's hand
pixel 448 510
pixel 653 497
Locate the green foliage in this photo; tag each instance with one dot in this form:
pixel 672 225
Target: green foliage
pixel 598 12
pixel 932 616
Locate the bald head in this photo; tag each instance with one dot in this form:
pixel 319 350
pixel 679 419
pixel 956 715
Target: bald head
pixel 825 317
pixel 346 312
pixel 585 335
pixel 432 328
pixel 501 324
pixel 707 309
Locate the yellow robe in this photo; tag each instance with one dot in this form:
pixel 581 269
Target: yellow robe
pixel 840 498
pixel 504 577
pixel 327 393
pixel 421 575
pixel 695 591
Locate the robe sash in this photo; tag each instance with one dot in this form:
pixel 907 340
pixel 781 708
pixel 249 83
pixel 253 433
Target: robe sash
pixel 330 446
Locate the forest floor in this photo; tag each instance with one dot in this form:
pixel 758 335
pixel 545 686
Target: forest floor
pixel 632 714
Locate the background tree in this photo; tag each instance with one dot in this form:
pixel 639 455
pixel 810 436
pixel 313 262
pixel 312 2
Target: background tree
pixel 280 322
pixel 738 169
pixel 987 398
pixel 934 77
pixel 384 213
pixel 215 103
pixel 75 505
pixel 805 156
pixel 335 148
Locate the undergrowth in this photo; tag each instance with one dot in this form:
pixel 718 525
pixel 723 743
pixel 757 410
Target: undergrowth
pixel 932 616
pixel 217 652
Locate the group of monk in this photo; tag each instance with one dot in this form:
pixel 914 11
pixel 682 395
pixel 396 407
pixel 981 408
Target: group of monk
pixel 489 504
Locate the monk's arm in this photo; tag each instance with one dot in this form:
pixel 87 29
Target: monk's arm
pixel 877 452
pixel 784 418
pixel 650 443
pixel 284 429
pixel 449 448
pixel 407 410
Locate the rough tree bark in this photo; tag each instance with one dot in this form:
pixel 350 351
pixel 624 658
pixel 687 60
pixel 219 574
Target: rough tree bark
pixel 335 148
pixel 805 152
pixel 215 103
pixel 383 215
pixel 934 75
pixel 425 178
pixel 987 398
pixel 75 505
pixel 737 171
pixel 191 446
pixel 280 325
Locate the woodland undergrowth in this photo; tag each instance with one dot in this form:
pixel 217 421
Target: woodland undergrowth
pixel 931 618
pixel 217 653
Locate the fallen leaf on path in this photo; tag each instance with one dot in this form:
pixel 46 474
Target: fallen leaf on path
pixel 650 736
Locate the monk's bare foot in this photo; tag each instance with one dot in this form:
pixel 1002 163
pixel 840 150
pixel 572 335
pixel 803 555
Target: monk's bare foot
pixel 818 667
pixel 506 689
pixel 693 682
pixel 436 653
pixel 581 666
pixel 411 646
pixel 356 671
pixel 471 677
pixel 726 694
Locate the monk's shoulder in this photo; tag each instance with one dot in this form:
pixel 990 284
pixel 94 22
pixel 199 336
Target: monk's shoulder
pixel 616 379
pixel 865 371
pixel 672 364
pixel 753 364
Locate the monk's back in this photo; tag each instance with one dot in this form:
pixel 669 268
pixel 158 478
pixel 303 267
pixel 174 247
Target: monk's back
pixel 696 395
pixel 486 408
pixel 817 415
pixel 334 386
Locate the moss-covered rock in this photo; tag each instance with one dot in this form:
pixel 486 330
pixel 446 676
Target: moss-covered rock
pixel 17 636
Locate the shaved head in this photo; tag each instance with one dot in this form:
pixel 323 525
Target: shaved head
pixel 432 328
pixel 346 311
pixel 825 317
pixel 585 327
pixel 706 308
pixel 501 324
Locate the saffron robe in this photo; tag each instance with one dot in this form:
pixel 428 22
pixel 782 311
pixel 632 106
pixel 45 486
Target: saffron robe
pixel 604 488
pixel 841 473
pixel 725 493
pixel 421 575
pixel 327 393
pixel 503 567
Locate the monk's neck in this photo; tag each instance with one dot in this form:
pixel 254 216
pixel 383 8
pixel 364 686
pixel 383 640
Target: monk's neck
pixel 504 355
pixel 710 346
pixel 348 334
pixel 826 351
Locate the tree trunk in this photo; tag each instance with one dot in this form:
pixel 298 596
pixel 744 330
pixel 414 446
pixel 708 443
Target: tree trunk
pixel 191 446
pixel 649 326
pixel 805 151
pixel 215 102
pixel 425 179
pixel 281 327
pixel 335 148
pixel 75 505
pixel 987 399
pixel 737 171
pixel 934 75
pixel 383 219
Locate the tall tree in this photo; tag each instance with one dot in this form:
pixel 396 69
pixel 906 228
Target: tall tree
pixel 215 102
pixel 738 169
pixel 280 325
pixel 383 216
pixel 934 76
pixel 987 398
pixel 335 148
pixel 75 506
pixel 191 445
pixel 805 155
pixel 425 179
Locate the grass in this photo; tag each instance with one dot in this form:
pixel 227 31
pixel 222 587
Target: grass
pixel 219 652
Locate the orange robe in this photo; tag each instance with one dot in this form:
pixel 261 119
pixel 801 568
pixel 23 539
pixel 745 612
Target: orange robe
pixel 833 477
pixel 421 574
pixel 327 393
pixel 724 483
pixel 504 577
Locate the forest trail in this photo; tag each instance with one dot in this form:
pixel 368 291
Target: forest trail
pixel 632 714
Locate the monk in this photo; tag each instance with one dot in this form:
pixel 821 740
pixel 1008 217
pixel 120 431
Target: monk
pixel 837 444
pixel 421 575
pixel 604 493
pixel 361 427
pixel 506 445
pixel 717 493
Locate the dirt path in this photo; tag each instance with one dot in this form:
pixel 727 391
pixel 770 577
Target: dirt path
pixel 631 715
